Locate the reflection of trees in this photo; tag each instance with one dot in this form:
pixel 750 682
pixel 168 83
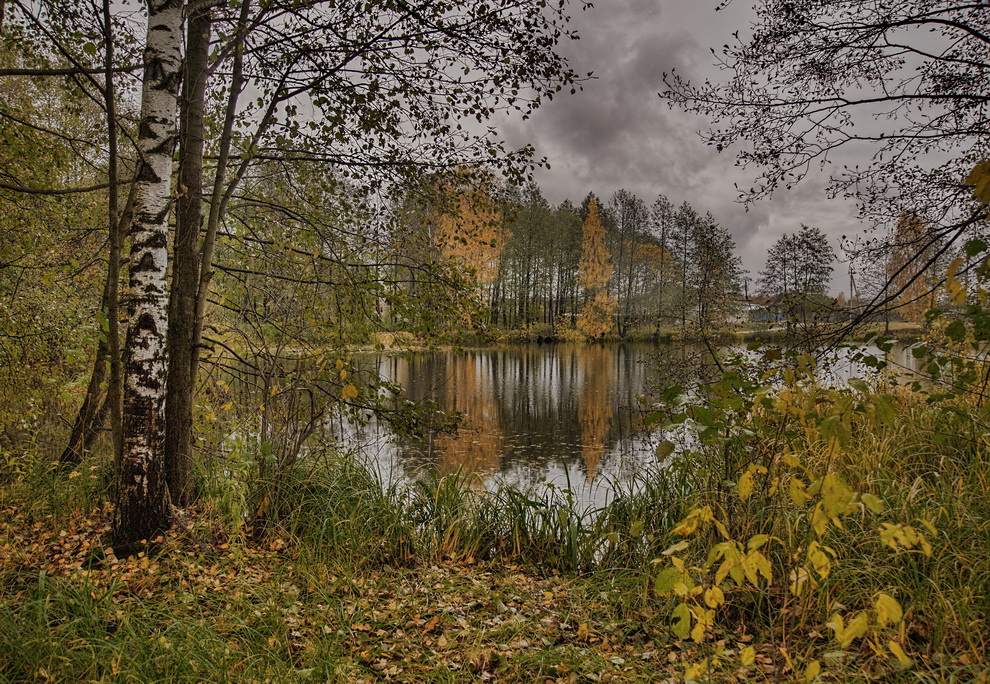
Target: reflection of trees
pixel 594 405
pixel 462 383
pixel 525 407
pixel 479 443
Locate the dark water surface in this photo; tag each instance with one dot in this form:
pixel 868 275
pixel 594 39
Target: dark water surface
pixel 565 414
pixel 569 415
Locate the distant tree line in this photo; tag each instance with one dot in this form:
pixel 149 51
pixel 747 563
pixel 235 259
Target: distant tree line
pixel 602 268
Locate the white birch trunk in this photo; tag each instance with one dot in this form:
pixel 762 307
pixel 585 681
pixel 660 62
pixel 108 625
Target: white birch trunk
pixel 142 503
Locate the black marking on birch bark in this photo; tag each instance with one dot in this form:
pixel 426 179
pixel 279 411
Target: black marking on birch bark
pixel 147 263
pixel 157 240
pixel 149 381
pixel 146 174
pixel 146 322
pixel 161 218
pixel 156 73
pixel 165 146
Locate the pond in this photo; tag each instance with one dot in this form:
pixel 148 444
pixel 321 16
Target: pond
pixel 568 415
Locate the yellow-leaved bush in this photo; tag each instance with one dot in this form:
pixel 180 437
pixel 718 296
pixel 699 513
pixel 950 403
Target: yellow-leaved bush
pixel 770 540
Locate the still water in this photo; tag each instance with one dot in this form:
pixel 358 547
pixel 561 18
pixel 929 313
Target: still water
pixel 567 415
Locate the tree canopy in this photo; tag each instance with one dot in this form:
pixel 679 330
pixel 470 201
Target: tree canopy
pixel 817 79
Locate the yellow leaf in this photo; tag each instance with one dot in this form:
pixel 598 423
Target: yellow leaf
pixel 819 521
pixel 762 565
pixel 799 577
pixel 979 179
pixel 811 672
pixel 888 610
pixel 749 567
pixel 899 653
pixel 856 628
pixel 956 290
pixel 798 491
pixel 694 671
pixel 756 541
pixel 714 597
pixel 872 502
pixel 745 485
pixel 349 392
pixel 724 570
pixel 818 559
pixel 791 460
pixel 679 546
pixel 698 633
pixel 748 656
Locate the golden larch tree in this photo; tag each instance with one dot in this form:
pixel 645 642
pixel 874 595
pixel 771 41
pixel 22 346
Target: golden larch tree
pixel 594 273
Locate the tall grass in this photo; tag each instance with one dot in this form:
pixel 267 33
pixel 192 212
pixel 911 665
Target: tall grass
pixel 928 463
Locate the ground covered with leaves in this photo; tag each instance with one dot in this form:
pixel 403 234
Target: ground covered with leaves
pixel 197 607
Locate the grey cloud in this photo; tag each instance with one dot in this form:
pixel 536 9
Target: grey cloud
pixel 618 132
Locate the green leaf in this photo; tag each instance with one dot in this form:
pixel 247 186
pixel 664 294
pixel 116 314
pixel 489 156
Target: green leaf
pixel 859 385
pixel 664 449
pixel 666 581
pixel 975 246
pixel 682 621
pixel 885 409
pixel 956 331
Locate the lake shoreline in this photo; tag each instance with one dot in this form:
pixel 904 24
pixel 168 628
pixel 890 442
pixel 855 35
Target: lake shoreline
pixel 473 342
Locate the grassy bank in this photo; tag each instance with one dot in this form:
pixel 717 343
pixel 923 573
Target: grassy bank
pixel 874 496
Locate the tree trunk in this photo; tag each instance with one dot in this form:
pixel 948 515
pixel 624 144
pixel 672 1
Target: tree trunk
pixel 219 196
pixel 85 427
pixel 89 419
pixel 185 264
pixel 142 502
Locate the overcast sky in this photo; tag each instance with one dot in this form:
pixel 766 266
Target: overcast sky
pixel 618 133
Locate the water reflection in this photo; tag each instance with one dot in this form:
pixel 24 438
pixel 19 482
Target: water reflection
pixel 570 415
pixel 566 414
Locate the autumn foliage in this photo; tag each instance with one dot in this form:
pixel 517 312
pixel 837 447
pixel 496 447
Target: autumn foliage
pixel 595 271
pixel 905 269
pixel 468 226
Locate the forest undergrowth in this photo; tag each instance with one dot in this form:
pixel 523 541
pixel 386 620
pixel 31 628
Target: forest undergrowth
pixel 798 534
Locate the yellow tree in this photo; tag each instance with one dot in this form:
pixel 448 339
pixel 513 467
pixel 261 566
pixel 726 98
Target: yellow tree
pixel 905 269
pixel 594 273
pixel 468 227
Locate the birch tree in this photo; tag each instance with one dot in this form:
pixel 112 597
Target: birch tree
pixel 142 506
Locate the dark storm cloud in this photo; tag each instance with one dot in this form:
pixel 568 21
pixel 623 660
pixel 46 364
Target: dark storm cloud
pixel 618 133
